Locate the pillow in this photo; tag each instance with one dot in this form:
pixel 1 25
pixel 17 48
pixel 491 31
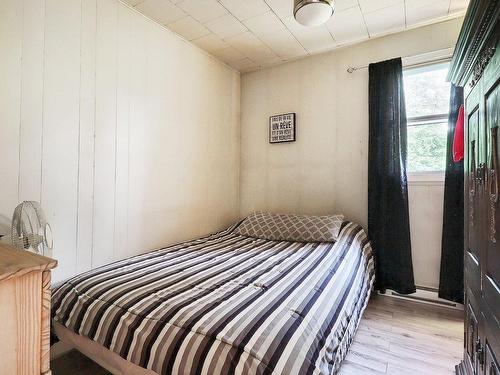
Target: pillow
pixel 296 228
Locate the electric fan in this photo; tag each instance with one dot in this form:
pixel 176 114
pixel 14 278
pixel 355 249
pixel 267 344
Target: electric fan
pixel 30 229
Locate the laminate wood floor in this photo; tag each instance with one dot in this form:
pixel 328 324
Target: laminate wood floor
pixel 400 337
pixel 395 337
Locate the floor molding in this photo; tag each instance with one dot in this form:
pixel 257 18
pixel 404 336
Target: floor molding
pixel 424 295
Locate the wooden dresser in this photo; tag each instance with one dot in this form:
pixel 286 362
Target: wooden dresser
pixel 476 67
pixel 24 312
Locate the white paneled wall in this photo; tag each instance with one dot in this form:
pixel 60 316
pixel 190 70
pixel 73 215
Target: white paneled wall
pixel 127 134
pixel 60 126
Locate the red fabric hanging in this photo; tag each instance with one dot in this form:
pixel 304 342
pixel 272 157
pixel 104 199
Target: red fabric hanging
pixel 458 139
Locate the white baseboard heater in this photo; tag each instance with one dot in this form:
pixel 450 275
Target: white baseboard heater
pixel 425 295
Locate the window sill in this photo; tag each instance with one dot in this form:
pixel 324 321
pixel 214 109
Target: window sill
pixel 426 178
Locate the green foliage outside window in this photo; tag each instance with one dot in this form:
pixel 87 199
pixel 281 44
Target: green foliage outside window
pixel 427 96
pixel 427 147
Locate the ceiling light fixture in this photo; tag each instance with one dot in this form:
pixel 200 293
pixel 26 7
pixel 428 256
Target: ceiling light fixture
pixel 312 12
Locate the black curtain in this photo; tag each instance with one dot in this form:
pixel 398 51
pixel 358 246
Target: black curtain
pixel 451 280
pixel 388 218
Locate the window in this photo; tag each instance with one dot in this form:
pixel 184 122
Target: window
pixel 427 96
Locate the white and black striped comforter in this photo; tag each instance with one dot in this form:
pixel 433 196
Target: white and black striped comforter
pixel 227 304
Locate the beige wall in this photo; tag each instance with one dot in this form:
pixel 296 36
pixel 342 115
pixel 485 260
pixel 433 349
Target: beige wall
pixel 426 227
pixel 325 170
pixel 164 163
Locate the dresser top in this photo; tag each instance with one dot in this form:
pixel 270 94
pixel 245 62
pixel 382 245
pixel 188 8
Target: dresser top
pixel 14 262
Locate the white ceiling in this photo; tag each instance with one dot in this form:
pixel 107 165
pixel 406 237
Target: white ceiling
pixel 250 34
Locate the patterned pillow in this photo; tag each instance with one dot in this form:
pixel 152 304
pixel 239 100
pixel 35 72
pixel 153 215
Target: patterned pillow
pixel 297 228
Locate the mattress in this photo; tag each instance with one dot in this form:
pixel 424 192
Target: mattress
pixel 226 304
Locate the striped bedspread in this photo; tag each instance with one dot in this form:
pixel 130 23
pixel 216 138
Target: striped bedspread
pixel 227 304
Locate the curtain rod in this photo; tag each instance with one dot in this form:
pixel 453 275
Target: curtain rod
pixel 444 55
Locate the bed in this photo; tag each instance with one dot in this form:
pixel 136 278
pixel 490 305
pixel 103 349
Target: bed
pixel 226 303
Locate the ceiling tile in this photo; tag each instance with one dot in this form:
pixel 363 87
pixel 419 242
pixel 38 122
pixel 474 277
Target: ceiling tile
pixel 368 6
pixel 248 34
pixel 249 70
pixel 253 48
pixel 161 11
pixel 244 65
pixel 202 10
pixel 189 28
pixel 386 20
pixel 347 26
pixel 415 4
pixel 133 2
pixel 284 44
pixel 226 26
pixel 283 8
pixel 318 40
pixel 229 55
pixel 245 9
pixel 345 4
pixel 266 59
pixel 264 23
pixel 313 39
pixel 245 42
pixel 458 6
pixel 210 42
pixel 419 11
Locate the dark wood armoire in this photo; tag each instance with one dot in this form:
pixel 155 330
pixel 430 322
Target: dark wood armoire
pixel 476 67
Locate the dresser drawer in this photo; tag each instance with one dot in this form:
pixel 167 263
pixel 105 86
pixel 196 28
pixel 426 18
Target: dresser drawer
pixel 24 312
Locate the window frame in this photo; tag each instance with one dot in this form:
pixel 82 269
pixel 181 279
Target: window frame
pixel 427 177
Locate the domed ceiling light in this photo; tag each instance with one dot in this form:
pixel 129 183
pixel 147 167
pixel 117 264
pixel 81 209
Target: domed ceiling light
pixel 312 12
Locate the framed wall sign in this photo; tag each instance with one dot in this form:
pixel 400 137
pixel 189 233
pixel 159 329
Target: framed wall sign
pixel 282 128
